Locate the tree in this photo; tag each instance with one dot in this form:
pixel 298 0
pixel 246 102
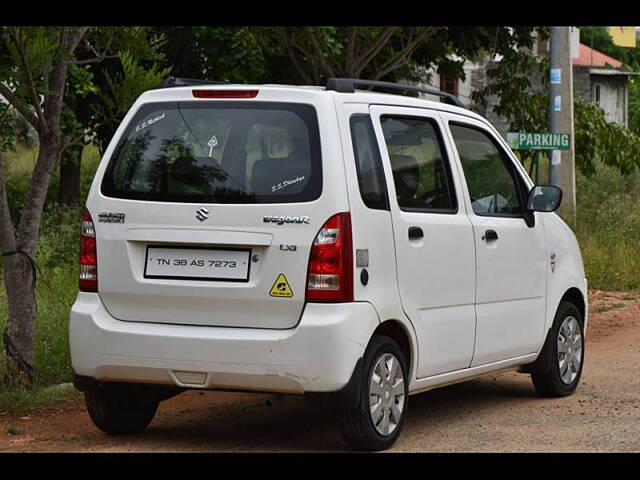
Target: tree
pixel 310 55
pixel 34 63
pixel 520 81
pixel 318 53
pixel 228 54
pixel 116 64
pixel 599 39
pixel 117 92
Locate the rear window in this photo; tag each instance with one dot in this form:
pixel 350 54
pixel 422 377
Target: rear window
pixel 218 152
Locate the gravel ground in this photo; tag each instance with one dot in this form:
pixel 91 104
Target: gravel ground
pixel 496 413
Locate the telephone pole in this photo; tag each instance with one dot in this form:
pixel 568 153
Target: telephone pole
pixel 562 165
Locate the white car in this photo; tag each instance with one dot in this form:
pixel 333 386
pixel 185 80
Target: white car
pixel 351 246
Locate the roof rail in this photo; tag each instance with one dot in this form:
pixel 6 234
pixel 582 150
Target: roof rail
pixel 347 85
pixel 170 82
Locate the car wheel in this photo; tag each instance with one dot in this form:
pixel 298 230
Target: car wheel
pixel 376 420
pixel 566 350
pixel 119 410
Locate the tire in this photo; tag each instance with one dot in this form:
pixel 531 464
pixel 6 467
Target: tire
pixel 118 409
pixel 562 377
pixel 357 424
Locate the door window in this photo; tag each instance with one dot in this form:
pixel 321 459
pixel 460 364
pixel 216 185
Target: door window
pixel 490 175
pixel 368 163
pixel 420 168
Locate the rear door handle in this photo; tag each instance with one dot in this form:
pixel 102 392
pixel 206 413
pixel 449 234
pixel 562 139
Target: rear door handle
pixel 489 235
pixel 415 233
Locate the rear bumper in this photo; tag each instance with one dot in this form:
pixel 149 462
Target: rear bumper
pixel 319 355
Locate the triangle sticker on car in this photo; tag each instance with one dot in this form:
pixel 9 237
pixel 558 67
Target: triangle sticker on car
pixel 281 287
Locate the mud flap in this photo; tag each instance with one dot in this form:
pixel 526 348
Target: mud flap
pixel 346 398
pixel 543 363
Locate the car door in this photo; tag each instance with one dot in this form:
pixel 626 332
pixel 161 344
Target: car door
pixel 510 245
pixel 433 237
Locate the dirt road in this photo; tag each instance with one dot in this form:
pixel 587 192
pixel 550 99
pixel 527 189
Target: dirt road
pixel 495 413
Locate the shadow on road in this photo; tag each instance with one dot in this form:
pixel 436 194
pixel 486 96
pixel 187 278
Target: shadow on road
pixel 289 423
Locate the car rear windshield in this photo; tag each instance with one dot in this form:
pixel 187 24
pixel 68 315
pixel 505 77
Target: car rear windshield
pixel 218 152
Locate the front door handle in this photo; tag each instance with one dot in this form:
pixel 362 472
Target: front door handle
pixel 489 235
pixel 415 233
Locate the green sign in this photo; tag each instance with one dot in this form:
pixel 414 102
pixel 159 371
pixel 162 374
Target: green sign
pixel 538 141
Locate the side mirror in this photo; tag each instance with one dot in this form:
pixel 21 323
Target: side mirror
pixel 544 198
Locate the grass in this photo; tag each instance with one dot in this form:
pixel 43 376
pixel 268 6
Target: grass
pixel 19 400
pixel 607 308
pixel 608 222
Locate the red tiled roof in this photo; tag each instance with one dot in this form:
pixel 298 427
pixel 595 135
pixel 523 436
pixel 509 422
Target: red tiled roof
pixel 590 57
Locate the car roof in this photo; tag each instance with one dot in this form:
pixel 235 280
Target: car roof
pixel 357 96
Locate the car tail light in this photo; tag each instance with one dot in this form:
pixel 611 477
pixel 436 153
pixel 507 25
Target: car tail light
pixel 225 93
pixel 88 255
pixel 330 275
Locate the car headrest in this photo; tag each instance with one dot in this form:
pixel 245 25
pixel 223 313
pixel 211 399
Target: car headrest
pixel 199 172
pixel 280 175
pixel 405 174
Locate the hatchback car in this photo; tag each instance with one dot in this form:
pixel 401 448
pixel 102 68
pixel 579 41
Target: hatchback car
pixel 352 246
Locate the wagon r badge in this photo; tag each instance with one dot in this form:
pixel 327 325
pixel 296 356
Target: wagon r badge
pixel 202 214
pixel 282 220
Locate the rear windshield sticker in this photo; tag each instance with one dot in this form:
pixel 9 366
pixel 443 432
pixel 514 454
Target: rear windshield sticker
pixel 286 183
pixel 148 123
pixel 212 143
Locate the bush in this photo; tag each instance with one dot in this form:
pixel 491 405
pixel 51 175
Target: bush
pixel 608 222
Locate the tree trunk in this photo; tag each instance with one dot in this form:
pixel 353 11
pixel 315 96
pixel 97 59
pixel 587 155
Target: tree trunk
pixel 69 188
pixel 17 250
pixel 18 338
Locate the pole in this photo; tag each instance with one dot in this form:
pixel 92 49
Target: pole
pixel 555 100
pixel 562 164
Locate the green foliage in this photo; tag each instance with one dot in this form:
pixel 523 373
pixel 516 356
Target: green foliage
pixel 608 221
pixel 599 141
pixel 122 91
pixel 633 105
pixel 116 82
pixel 7 129
pixel 308 55
pixel 19 400
pixel 24 133
pixel 26 55
pixel 229 54
pixel 135 80
pixel 599 39
pixel 526 108
pixel 512 77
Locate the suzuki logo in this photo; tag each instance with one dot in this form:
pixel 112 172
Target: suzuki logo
pixel 202 214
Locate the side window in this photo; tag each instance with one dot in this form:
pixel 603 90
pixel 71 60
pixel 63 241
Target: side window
pixel 368 163
pixel 490 174
pixel 421 172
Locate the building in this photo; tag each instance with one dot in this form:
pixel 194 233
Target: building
pixel 597 78
pixel 600 79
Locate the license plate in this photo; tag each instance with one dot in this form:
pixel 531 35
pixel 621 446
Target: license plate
pixel 197 263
